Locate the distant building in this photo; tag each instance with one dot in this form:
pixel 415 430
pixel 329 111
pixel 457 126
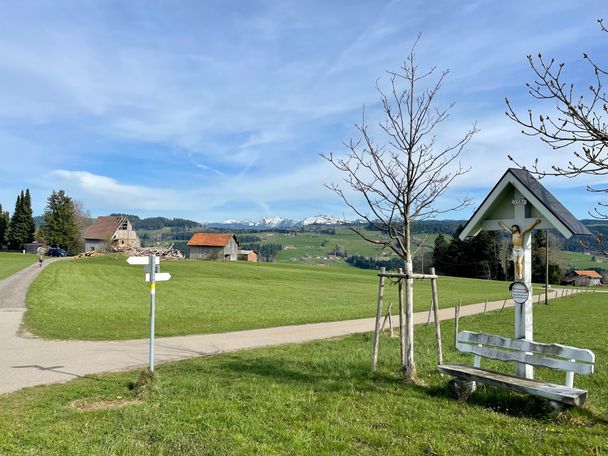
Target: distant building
pixel 213 246
pixel 583 278
pixel 110 231
pixel 34 247
pixel 248 255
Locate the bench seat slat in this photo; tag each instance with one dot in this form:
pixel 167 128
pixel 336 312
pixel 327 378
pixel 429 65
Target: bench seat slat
pixel 527 358
pixel 558 350
pixel 558 393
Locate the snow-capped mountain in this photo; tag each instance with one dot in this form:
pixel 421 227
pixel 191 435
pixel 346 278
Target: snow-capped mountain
pixel 277 222
pixel 322 220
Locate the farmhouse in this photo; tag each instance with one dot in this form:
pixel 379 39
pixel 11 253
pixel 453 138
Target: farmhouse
pixel 213 246
pixel 583 278
pixel 110 231
pixel 248 255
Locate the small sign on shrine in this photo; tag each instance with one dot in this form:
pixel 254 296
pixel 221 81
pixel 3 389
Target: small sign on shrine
pixel 518 204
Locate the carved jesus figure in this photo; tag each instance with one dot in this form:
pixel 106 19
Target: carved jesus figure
pixel 517 239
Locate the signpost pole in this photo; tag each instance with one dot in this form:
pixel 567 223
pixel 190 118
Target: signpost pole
pixel 152 305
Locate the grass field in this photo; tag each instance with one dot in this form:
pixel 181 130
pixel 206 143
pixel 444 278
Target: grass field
pixel 104 298
pixel 310 244
pixel 13 262
pixel 581 261
pixel 320 398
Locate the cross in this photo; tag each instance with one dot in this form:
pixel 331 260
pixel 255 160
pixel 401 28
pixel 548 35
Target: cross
pixel 523 312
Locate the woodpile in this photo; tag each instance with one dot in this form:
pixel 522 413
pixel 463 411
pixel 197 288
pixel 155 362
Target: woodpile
pixel 167 253
pixel 93 253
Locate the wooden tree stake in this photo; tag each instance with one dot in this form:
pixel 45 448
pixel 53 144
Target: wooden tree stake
pixel 378 317
pixel 503 305
pixel 388 318
pixel 435 306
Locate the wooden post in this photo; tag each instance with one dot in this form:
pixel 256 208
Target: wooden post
pixel 388 318
pixel 401 321
pixel 485 306
pixel 538 302
pixel 435 305
pixel 378 317
pixel 523 312
pixel 546 267
pixel 428 320
pixel 503 305
pixel 456 317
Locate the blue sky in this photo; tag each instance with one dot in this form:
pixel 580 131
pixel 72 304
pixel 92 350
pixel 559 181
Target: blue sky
pixel 220 109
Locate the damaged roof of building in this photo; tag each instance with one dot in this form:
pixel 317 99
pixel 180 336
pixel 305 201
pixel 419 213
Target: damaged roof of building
pixel 103 228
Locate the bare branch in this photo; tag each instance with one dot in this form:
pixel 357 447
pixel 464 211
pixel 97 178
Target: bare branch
pixel 579 119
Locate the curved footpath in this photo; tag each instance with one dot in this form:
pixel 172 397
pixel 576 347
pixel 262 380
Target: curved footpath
pixel 31 361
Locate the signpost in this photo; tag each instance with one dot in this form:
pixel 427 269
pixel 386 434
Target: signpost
pixel 152 269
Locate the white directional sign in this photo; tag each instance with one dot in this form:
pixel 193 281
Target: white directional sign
pixel 133 260
pixel 159 277
pixel 151 265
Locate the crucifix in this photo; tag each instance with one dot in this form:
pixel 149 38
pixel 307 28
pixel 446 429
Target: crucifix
pixel 522 266
pixel 518 204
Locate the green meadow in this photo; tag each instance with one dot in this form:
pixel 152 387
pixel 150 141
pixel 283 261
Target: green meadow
pixel 321 398
pixel 579 260
pixel 13 262
pixel 105 298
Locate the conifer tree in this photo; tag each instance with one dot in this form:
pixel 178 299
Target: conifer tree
pixel 28 217
pixel 22 226
pixel 4 223
pixel 61 223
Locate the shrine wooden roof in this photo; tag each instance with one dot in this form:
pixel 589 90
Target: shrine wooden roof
pixel 545 204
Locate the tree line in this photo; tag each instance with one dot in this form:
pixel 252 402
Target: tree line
pixel 61 226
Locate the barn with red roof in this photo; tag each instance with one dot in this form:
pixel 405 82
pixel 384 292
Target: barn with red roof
pixel 213 246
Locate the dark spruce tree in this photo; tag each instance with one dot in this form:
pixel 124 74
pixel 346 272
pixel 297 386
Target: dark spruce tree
pixel 61 223
pixel 4 223
pixel 21 227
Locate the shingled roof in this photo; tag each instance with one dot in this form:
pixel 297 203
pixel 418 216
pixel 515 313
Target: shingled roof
pixel 592 274
pixel 549 201
pixel 551 209
pixel 103 228
pixel 210 240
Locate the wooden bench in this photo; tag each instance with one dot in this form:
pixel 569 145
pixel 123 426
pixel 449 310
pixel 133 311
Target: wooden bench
pixel 554 356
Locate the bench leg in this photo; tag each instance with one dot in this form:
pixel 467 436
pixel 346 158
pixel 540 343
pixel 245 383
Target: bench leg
pixel 461 389
pixel 554 406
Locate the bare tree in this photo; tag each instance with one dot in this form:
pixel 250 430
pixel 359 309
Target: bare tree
pixel 578 122
pixel 393 183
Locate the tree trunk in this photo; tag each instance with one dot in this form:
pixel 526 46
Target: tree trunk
pixel 410 366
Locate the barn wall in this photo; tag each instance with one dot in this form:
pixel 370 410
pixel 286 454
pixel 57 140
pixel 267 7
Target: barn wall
pixel 126 237
pixel 231 251
pixel 206 253
pixel 95 245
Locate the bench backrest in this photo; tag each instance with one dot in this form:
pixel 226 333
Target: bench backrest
pixel 554 356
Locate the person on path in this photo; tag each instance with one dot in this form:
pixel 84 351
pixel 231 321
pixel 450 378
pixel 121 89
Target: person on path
pixel 40 259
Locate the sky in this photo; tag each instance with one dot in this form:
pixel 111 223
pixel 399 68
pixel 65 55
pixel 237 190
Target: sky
pixel 221 109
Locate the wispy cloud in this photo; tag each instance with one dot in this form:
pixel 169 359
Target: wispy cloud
pixel 243 97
